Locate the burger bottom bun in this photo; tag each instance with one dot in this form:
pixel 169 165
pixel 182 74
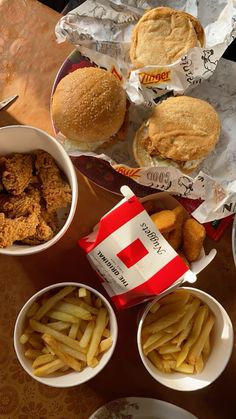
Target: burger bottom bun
pixel 144 159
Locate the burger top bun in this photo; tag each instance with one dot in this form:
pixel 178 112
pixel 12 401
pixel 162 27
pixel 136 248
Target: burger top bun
pixel 181 132
pixel 163 35
pixel 89 106
pixel 184 128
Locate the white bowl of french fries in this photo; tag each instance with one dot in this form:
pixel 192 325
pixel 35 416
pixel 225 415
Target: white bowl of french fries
pixel 185 339
pixel 38 190
pixel 65 334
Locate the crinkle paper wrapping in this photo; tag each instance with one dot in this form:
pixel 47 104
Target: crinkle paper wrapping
pixel 105 26
pixel 101 31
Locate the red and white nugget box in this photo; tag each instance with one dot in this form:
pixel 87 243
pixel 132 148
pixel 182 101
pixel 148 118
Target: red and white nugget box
pixel 132 258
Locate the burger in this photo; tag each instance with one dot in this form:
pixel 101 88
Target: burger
pixel 89 107
pixel 181 132
pixel 163 35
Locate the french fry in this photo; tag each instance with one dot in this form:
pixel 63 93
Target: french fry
pixel 65 358
pixel 206 348
pixel 38 327
pixel 24 338
pixel 85 339
pixel 196 330
pixel 76 354
pixel 197 348
pixel 106 333
pixel 88 298
pixel 50 302
pixel 98 302
pixel 105 344
pixel 199 364
pixel 32 353
pixel 74 330
pixel 36 342
pixel 32 310
pixel 59 325
pixel 42 359
pixel 97 334
pixel 173 297
pixel 164 220
pixel 82 292
pixel 152 339
pixel 163 322
pixel 74 310
pixel 82 304
pixel 184 368
pixel 168 349
pixel 94 362
pixel 155 307
pixel 49 368
pixel 64 317
pixel 156 360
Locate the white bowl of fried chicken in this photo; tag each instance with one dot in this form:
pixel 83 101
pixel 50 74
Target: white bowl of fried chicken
pixel 38 190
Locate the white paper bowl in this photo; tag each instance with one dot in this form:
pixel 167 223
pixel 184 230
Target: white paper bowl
pixel 25 139
pixel 67 379
pixel 222 345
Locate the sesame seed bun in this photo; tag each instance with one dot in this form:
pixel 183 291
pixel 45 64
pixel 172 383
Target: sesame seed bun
pixel 181 132
pixel 163 35
pixel 89 107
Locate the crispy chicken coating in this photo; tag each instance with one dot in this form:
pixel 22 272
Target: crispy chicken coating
pixel 16 229
pixel 19 205
pixel 17 172
pixel 55 189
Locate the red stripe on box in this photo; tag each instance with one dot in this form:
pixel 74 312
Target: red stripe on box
pixel 132 253
pixel 158 283
pixel 117 218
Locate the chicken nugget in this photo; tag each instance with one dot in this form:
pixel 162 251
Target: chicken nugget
pixel 175 236
pixel 194 234
pixel 164 220
pixel 17 172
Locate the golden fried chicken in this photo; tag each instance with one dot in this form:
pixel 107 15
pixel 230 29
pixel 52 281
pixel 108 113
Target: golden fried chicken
pixel 42 234
pixel 55 189
pixel 14 206
pixel 16 229
pixel 17 172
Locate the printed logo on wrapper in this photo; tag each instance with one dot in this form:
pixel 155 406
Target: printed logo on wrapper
pixel 131 257
pixel 155 76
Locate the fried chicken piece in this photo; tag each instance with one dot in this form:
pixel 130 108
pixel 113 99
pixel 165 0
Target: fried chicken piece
pixel 50 218
pixel 43 233
pixel 20 205
pixel 16 229
pixel 55 190
pixel 17 172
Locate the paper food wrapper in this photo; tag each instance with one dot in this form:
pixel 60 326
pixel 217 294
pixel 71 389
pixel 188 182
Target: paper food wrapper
pixel 101 32
pixel 131 257
pixel 105 27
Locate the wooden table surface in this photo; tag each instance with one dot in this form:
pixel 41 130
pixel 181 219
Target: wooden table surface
pixel 30 58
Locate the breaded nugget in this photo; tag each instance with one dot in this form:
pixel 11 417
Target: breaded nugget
pixel 194 234
pixel 175 235
pixel 55 189
pixel 164 220
pixel 16 229
pixel 17 172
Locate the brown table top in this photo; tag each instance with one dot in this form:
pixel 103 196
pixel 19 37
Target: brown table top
pixel 30 58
